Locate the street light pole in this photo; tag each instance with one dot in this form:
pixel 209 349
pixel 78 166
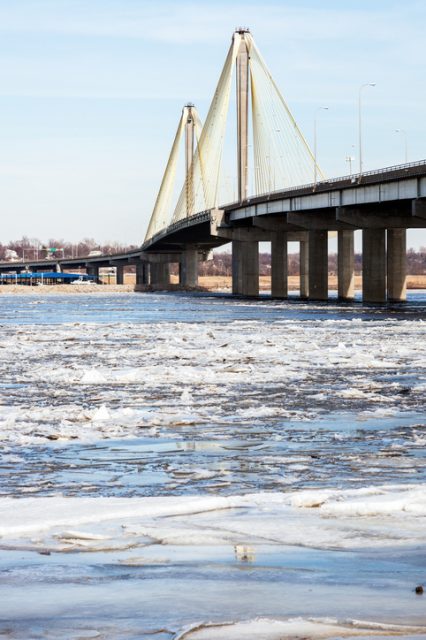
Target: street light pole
pixel 315 143
pixel 368 84
pixel 404 133
pixel 349 160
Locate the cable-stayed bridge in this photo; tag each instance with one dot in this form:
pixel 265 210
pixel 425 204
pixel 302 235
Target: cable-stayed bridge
pixel 288 200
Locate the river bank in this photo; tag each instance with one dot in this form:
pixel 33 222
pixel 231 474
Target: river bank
pixel 207 283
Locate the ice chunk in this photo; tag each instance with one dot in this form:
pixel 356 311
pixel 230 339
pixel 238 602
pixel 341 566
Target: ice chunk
pixel 92 377
pixel 101 414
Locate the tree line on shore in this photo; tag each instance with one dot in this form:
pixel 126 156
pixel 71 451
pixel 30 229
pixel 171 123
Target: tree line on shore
pixel 31 248
pixel 220 265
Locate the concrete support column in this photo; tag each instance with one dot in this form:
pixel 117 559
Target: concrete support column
pixel 245 268
pixel 119 278
pixel 304 268
pixel 160 274
pixel 236 267
pixel 397 264
pixel 345 265
pixel 279 268
pixel 318 265
pixel 188 269
pixel 92 270
pixel 141 273
pixel 374 265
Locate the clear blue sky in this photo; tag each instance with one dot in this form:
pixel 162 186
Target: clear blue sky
pixel 91 91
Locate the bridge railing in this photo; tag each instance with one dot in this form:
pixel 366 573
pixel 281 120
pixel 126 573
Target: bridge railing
pixel 399 170
pixel 202 216
pixel 377 172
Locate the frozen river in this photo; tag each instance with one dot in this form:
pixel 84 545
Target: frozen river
pixel 194 466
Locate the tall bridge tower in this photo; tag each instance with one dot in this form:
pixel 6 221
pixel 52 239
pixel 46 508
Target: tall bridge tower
pixel 189 153
pixel 242 113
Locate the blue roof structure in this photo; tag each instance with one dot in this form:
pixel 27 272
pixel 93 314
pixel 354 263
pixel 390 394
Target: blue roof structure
pixel 46 275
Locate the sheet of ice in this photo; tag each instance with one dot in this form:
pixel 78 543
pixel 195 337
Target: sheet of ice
pixel 344 519
pixel 270 629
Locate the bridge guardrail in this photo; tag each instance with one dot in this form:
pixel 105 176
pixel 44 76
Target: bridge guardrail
pixel 394 171
pixel 397 168
pixel 176 226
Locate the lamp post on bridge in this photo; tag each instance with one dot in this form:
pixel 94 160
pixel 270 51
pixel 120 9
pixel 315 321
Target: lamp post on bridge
pixel 315 143
pixel 367 84
pixel 27 250
pixel 349 160
pixel 404 133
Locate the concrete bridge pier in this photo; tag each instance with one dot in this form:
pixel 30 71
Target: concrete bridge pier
pixel 304 268
pixel 374 265
pixel 188 268
pixel 160 274
pixel 236 267
pixel 142 274
pixel 318 265
pixel 279 266
pixel 119 278
pixel 92 270
pixel 345 265
pixel 245 267
pixel 397 264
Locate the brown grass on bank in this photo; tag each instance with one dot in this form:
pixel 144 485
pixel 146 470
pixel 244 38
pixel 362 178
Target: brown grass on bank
pixel 220 283
pixel 50 289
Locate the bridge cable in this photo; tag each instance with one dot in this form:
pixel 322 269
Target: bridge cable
pixel 281 154
pixel 208 154
pixel 160 215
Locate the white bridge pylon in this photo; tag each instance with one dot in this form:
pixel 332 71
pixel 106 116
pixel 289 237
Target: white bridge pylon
pixel 189 123
pixel 281 155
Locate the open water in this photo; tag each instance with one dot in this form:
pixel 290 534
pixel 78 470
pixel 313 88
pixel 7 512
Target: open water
pixel 171 462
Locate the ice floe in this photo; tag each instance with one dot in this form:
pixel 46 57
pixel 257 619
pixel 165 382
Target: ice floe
pixel 273 629
pixel 314 518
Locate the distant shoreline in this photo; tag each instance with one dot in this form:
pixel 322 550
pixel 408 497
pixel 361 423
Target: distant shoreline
pixel 22 289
